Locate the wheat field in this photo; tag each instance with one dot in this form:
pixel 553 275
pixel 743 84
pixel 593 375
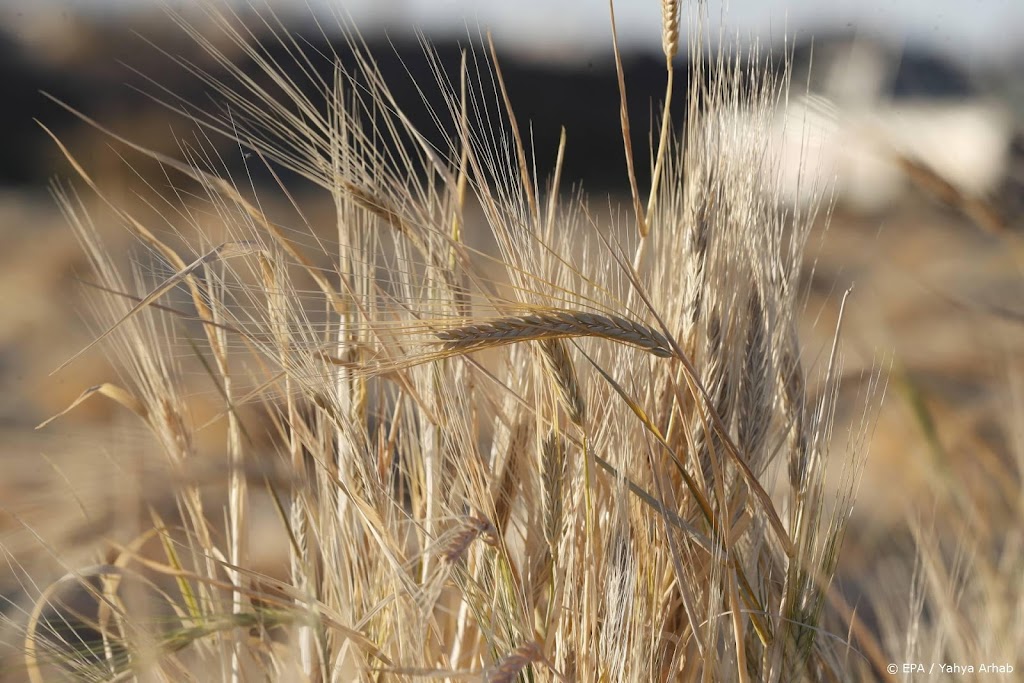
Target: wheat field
pixel 451 420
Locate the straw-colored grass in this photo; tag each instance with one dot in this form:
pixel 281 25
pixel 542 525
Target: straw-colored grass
pixel 628 484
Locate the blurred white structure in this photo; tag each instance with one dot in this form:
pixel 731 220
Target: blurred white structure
pixel 860 108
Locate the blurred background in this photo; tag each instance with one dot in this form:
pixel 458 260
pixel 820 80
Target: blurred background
pixel 911 115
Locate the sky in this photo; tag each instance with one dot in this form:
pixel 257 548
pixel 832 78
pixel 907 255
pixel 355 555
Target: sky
pixel 972 25
pixel 969 29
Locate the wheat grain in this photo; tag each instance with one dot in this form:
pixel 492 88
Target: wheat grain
pixel 791 381
pixel 717 377
pixel 508 483
pixel 509 668
pixel 559 364
pixel 753 414
pixel 554 325
pixel 472 529
pixel 700 241
pixel 552 480
pixel 670 28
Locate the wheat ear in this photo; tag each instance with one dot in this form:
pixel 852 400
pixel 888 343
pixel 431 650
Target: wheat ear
pixel 670 28
pixel 472 529
pixel 512 665
pixel 554 325
pixel 559 364
pixel 553 460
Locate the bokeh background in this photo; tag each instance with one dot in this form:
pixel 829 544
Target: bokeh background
pixel 921 148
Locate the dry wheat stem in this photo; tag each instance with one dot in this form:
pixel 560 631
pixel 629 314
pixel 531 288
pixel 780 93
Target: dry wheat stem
pixel 670 45
pixel 638 209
